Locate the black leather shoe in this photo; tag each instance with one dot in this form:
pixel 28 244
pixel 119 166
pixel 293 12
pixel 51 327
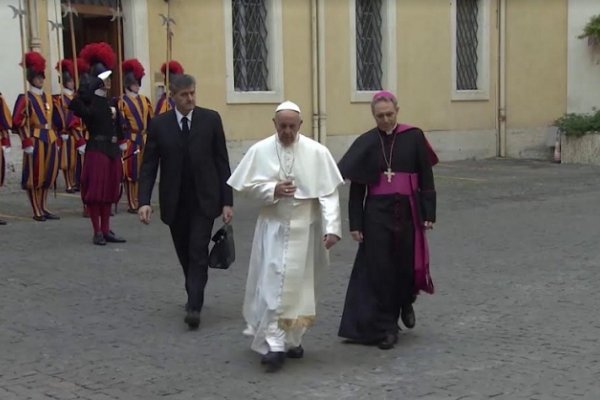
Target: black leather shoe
pixel 274 360
pixel 70 190
pixel 132 210
pixel 2 222
pixel 388 341
pixel 192 319
pixel 40 218
pixel 99 239
pixel 112 238
pixel 51 216
pixel 295 352
pixel 408 316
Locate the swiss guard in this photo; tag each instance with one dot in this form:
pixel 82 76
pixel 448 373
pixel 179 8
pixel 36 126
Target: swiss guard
pixel 137 112
pixel 33 118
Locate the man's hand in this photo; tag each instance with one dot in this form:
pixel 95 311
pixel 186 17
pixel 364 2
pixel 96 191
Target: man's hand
pixel 285 189
pixel 357 235
pixel 145 214
pixel 329 240
pixel 227 214
pixel 428 225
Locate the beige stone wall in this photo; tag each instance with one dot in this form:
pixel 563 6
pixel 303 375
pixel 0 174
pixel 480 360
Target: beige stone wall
pixel 199 44
pixel 536 62
pixel 536 65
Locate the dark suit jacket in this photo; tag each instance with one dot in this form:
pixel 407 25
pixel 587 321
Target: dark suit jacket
pixel 208 159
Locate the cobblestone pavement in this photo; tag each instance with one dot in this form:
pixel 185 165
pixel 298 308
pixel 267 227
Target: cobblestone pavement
pixel 515 260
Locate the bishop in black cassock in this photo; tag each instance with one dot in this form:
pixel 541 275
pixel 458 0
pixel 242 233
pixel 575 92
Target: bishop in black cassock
pixel 392 202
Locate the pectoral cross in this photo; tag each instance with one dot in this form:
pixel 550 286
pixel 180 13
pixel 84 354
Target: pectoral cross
pixel 389 174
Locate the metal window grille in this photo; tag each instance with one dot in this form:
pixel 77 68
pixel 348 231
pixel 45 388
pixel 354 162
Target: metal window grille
pixel 369 41
pixel 250 52
pixel 467 44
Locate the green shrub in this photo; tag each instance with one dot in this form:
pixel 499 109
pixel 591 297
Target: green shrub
pixel 579 124
pixel 592 29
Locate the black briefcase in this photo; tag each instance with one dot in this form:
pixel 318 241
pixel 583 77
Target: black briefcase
pixel 222 254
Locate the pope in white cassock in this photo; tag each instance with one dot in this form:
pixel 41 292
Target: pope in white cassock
pixel 296 178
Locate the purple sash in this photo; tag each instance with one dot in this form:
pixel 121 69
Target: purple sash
pixel 407 184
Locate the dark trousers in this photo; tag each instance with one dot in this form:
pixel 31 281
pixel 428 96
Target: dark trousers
pixel 191 232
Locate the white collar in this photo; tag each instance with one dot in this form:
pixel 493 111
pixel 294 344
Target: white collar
pixel 36 90
pixel 291 146
pixel 393 130
pixel 180 116
pixel 100 92
pixel 67 91
pixel 130 93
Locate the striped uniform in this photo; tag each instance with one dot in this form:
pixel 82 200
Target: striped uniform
pixel 41 167
pixel 5 125
pixel 67 123
pixel 163 106
pixel 137 112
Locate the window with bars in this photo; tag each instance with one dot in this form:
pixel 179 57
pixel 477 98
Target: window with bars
pixel 467 44
pixel 250 50
pixel 369 44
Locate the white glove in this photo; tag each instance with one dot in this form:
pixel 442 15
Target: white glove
pixel 123 146
pixel 81 149
pixel 28 150
pixel 6 149
pixel 64 137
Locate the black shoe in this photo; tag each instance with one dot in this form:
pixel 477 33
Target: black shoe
pixel 295 352
pixel 70 190
pixel 388 341
pixel 99 239
pixel 132 210
pixel 112 238
pixel 274 360
pixel 408 316
pixel 192 319
pixel 40 218
pixel 2 222
pixel 49 215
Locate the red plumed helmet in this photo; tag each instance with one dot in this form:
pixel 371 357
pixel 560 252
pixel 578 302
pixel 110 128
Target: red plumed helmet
pixel 65 66
pixel 100 56
pixel 35 64
pixel 133 72
pixel 82 66
pixel 174 68
pixel 134 66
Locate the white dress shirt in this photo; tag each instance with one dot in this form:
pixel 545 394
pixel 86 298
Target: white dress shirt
pixel 180 117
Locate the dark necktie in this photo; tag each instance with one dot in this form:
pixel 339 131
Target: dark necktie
pixel 185 128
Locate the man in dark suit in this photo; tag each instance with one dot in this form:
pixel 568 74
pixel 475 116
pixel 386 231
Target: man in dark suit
pixel 188 144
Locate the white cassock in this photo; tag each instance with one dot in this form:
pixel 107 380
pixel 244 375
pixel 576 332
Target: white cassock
pixel 288 255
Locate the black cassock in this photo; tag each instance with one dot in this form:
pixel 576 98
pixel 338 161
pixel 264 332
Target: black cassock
pixel 382 278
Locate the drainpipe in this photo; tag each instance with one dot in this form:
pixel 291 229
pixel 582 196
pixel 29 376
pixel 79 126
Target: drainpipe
pixel 314 68
pixel 501 111
pixel 321 71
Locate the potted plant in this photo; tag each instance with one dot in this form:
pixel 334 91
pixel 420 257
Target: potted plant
pixel 592 31
pixel 580 138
